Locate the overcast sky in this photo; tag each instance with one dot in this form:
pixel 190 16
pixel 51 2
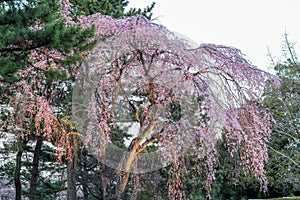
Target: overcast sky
pixel 250 25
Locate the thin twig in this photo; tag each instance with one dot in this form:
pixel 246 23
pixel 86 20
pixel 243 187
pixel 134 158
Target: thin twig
pixel 289 158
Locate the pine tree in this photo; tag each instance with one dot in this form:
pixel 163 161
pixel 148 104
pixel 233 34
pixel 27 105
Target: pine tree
pixel 114 8
pixel 29 25
pixel 38 47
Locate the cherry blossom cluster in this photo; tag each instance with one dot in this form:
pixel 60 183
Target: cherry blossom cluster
pixel 143 69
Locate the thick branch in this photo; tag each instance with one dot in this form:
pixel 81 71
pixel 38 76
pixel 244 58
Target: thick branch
pixel 134 149
pixel 22 48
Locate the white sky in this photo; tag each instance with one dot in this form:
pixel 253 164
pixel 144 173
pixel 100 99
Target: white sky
pixel 249 25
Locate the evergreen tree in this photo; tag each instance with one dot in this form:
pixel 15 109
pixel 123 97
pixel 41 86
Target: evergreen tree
pixel 114 8
pixel 283 167
pixel 29 25
pixel 41 27
pixel 38 48
pixel 284 147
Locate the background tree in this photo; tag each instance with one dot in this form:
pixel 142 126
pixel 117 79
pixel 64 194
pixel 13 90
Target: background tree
pixel 29 25
pixel 37 50
pixel 284 146
pixel 114 8
pixel 282 169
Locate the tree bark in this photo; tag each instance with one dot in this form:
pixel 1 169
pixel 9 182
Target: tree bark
pixel 85 190
pixel 125 175
pixel 35 168
pixel 71 174
pixel 71 170
pixel 84 181
pixel 134 148
pixel 17 180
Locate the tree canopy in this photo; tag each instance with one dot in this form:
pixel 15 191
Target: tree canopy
pixel 139 70
pixel 41 47
pixel 139 74
pixel 284 105
pixel 114 8
pixel 27 26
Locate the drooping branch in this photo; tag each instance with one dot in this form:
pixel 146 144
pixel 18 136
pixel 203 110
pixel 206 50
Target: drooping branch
pixel 214 88
pixel 285 156
pixel 297 140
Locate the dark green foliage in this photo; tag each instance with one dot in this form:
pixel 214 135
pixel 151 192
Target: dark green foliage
pixel 175 110
pixel 284 147
pixel 231 182
pixel 283 168
pixel 18 39
pixel 145 12
pixel 33 25
pixel 114 8
pixel 18 35
pixel 118 135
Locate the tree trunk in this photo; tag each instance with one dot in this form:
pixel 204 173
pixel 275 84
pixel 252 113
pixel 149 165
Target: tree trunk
pixel 71 175
pixel 134 148
pixel 17 180
pixel 84 181
pixel 35 168
pixel 71 169
pixel 85 191
pixel 125 176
